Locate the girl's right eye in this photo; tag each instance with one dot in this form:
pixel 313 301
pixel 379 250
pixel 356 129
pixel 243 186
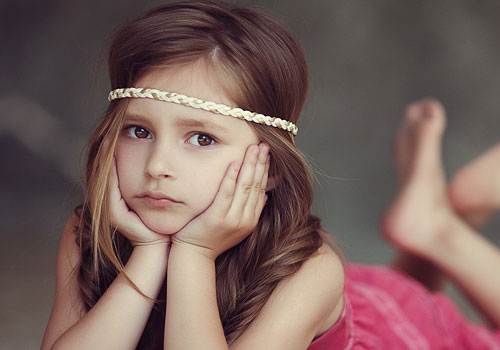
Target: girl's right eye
pixel 136 131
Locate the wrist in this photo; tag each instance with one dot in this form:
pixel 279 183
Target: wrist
pixel 157 250
pixel 183 248
pixel 154 242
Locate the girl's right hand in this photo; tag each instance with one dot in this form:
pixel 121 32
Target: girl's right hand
pixel 126 220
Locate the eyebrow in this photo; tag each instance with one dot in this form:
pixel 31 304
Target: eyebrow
pixel 186 123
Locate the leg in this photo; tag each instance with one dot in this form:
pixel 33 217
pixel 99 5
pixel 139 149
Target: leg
pixel 472 194
pixel 408 154
pixel 475 189
pixel 422 222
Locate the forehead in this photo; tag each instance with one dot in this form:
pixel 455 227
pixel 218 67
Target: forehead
pixel 195 79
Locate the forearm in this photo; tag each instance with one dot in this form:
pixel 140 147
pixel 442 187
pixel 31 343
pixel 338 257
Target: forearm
pixel 118 319
pixel 192 317
pixel 473 263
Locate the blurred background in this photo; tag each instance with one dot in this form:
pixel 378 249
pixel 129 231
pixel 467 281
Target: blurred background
pixel 367 60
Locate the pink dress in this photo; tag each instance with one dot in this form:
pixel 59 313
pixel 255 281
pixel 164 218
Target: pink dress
pixel 385 309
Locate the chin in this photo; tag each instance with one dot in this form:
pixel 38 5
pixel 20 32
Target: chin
pixel 161 222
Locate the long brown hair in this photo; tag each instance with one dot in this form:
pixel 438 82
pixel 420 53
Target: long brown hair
pixel 264 70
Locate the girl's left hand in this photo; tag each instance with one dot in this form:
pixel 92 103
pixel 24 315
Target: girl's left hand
pixel 235 210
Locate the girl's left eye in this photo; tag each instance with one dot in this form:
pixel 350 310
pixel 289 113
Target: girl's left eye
pixel 203 139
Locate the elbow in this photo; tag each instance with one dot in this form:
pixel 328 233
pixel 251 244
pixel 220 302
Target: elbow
pixel 54 346
pixel 57 345
pixel 47 346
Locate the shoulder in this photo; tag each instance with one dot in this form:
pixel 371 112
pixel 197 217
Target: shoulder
pixel 321 276
pixel 300 305
pixel 324 273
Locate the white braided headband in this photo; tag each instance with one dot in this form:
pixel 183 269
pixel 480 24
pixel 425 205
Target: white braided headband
pixel 206 105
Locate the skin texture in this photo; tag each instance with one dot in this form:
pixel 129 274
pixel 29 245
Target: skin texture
pixel 182 162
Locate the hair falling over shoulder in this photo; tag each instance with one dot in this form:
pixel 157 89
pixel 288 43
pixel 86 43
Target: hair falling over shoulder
pixel 264 69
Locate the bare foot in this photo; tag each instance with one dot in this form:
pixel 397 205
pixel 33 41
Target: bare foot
pixel 474 191
pixel 420 215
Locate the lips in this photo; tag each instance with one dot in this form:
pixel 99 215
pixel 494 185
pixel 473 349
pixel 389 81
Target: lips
pixel 159 196
pixel 158 203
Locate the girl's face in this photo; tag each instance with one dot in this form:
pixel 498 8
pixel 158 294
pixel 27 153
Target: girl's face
pixel 179 151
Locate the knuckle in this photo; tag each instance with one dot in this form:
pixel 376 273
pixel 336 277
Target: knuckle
pixel 247 187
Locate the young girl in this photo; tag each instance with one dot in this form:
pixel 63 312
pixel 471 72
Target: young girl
pixel 196 231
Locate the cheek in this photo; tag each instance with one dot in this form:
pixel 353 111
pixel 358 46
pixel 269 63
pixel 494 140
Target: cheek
pixel 206 184
pixel 129 169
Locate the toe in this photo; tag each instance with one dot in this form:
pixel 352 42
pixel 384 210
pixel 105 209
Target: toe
pixel 404 142
pixel 426 135
pixel 433 113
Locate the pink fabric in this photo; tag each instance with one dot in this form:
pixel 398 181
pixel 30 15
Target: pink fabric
pixel 385 309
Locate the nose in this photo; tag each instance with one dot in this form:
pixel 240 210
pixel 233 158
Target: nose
pixel 159 161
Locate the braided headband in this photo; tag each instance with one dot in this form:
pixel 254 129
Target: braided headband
pixel 206 105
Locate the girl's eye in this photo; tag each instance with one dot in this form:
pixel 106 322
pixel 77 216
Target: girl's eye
pixel 203 139
pixel 136 131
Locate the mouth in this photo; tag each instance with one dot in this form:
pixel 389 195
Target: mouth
pixel 158 202
pixel 157 195
pixel 157 199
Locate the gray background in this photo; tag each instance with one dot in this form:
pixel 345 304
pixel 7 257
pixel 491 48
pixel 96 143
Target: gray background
pixel 367 59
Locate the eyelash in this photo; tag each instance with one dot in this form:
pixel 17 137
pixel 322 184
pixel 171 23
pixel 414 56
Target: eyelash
pixel 130 126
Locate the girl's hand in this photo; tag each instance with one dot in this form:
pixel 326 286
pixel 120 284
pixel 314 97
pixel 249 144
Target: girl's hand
pixel 235 210
pixel 126 220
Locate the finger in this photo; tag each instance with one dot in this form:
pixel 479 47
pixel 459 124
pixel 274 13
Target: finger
pixel 117 204
pixel 244 183
pixel 122 217
pixel 114 192
pixel 112 176
pixel 224 197
pixel 263 197
pixel 257 191
pixel 260 206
